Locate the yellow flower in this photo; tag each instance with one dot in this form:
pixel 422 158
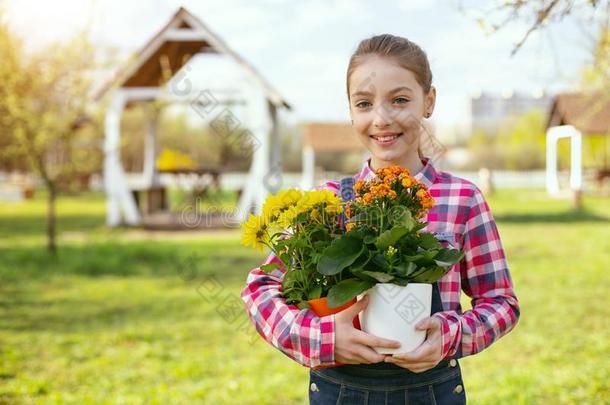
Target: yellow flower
pixel 407 182
pixel 255 232
pixel 275 204
pixel 288 216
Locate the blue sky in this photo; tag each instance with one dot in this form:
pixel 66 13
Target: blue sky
pixel 303 47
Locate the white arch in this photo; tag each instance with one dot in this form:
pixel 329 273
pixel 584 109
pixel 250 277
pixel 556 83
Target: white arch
pixel 553 134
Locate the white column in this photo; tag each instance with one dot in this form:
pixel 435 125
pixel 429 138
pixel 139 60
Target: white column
pixel 151 175
pixel 118 196
pixel 553 135
pixel 259 123
pixel 309 164
pixel 552 182
pixel 576 161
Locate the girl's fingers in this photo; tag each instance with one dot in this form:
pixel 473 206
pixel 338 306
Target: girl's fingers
pixel 374 341
pixel 369 355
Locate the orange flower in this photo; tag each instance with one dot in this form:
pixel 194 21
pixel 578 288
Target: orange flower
pixel 358 185
pixel 349 226
pixel 380 190
pixel 367 198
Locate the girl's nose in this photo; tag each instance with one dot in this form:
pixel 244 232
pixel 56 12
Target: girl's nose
pixel 382 118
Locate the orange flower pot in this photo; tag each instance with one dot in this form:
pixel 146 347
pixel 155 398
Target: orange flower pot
pixel 320 307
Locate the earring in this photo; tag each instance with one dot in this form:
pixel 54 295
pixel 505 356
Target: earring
pixel 352 122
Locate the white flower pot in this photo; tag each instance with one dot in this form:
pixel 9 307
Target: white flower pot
pixel 393 311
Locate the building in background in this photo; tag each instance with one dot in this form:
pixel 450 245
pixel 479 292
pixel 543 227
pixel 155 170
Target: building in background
pixel 488 110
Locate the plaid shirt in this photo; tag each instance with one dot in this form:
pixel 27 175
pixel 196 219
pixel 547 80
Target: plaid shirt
pixel 461 219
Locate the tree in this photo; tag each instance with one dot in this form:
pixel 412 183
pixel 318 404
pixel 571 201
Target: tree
pixel 43 99
pixel 537 14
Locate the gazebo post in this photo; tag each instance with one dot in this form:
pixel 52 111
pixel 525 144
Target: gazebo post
pixel 151 174
pixel 118 195
pixel 309 164
pixel 553 135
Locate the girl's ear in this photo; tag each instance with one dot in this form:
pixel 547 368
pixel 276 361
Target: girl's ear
pixel 430 102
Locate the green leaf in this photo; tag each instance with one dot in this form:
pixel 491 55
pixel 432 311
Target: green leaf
pixel 448 257
pixel 429 241
pixel 378 261
pixel 405 269
pixel 379 276
pixel 391 236
pixel 363 259
pixel 430 275
pixel 315 292
pixel 360 274
pixel 345 290
pixel 267 268
pixel 369 239
pixel 341 253
pixel 419 226
pixel 405 220
pixel 303 305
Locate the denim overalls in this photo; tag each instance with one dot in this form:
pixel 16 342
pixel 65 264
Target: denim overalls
pixel 387 383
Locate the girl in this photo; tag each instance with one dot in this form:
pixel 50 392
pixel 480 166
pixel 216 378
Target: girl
pixel 390 93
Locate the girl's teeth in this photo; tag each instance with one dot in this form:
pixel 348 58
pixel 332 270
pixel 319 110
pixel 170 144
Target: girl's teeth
pixel 386 138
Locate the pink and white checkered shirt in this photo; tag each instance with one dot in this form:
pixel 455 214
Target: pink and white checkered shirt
pixel 460 218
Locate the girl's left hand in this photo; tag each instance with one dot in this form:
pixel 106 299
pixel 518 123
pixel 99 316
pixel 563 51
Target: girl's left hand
pixel 428 354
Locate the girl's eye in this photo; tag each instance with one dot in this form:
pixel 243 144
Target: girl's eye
pixel 401 100
pixel 363 104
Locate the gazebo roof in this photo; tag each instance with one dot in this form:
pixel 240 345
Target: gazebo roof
pixel 589 113
pixel 171 48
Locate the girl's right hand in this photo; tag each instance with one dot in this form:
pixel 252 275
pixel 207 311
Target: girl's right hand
pixel 353 346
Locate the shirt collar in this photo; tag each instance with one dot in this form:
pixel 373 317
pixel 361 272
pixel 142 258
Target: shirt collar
pixel 426 175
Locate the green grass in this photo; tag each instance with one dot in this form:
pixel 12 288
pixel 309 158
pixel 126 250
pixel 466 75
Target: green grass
pixel 122 317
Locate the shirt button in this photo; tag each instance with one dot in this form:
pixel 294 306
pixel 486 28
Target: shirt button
pixel 314 387
pixel 452 363
pixel 458 389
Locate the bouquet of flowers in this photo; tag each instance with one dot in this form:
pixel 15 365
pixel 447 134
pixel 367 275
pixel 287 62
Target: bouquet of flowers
pixel 335 250
pixel 297 226
pixel 384 241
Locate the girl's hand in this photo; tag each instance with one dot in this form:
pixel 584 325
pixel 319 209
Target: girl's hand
pixel 428 354
pixel 353 346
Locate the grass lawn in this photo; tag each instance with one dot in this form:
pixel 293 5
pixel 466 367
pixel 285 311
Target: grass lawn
pixel 128 317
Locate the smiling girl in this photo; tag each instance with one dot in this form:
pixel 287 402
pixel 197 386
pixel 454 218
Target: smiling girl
pixel 390 94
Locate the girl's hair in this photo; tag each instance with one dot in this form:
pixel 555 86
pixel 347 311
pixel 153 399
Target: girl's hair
pixel 406 53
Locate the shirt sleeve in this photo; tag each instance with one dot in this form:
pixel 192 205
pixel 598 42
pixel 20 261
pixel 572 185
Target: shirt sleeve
pixel 298 333
pixel 486 280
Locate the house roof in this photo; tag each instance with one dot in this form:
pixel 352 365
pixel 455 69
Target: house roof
pixel 171 48
pixel 589 113
pixel 330 136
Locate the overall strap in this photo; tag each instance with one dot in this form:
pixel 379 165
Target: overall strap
pixel 347 193
pixel 346 189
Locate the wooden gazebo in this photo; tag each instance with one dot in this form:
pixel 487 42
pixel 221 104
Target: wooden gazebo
pixel 159 71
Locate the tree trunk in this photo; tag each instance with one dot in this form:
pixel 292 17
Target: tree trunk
pixel 51 245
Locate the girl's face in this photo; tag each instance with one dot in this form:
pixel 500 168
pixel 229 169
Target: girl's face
pixel 387 105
